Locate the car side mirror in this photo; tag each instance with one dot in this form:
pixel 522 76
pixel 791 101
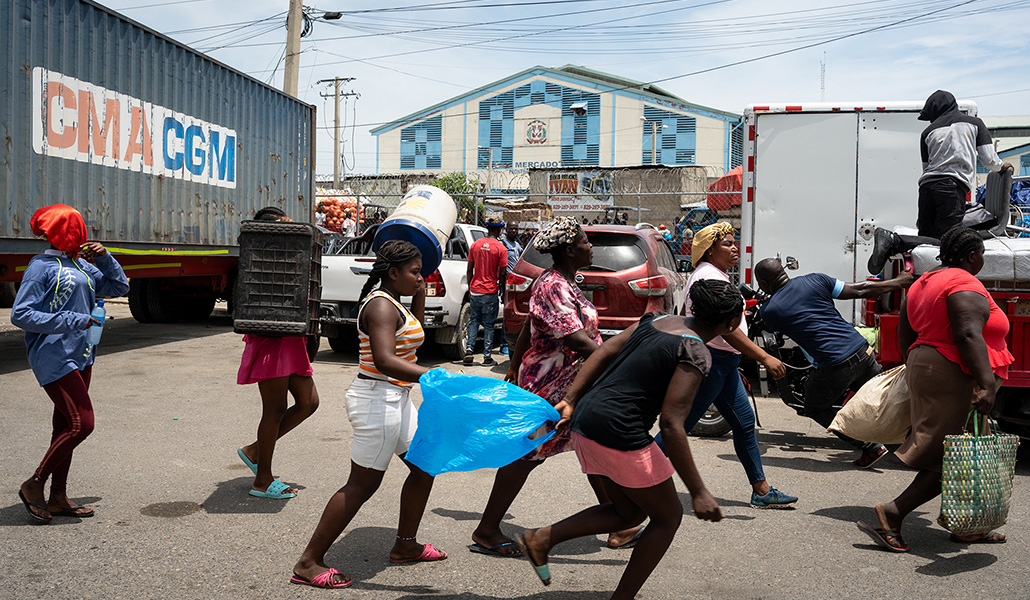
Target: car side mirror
pixel 791 263
pixel 683 265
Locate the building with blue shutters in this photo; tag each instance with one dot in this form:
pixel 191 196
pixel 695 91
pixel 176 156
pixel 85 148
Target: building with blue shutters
pixel 558 117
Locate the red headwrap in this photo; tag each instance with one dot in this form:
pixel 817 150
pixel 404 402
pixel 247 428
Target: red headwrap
pixel 63 225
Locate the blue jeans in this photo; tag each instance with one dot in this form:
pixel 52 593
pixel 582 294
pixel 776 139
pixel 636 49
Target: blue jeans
pixel 724 388
pixel 484 312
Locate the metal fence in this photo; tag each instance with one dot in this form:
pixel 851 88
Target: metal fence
pixel 670 196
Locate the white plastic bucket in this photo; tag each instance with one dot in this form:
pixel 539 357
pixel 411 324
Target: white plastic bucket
pixel 426 218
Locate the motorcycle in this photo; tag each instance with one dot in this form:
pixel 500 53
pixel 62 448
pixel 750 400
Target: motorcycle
pixel 790 389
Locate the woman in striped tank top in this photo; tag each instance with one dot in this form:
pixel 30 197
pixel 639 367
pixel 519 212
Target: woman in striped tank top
pixel 382 415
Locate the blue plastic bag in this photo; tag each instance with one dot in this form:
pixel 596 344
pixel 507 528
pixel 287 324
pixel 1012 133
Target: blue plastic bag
pixel 467 423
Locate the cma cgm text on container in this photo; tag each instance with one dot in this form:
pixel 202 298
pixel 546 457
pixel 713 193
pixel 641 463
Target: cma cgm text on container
pixel 81 121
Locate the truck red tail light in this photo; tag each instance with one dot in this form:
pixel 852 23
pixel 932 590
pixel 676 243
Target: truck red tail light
pixel 434 286
pixel 650 286
pixel 517 283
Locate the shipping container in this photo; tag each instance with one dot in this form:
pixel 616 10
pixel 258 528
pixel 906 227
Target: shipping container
pixel 162 149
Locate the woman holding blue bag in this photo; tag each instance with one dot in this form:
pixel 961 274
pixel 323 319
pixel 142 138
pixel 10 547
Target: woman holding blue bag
pixel 382 415
pixel 651 371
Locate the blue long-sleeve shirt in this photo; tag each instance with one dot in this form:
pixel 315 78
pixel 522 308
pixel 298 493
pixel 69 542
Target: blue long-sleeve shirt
pixel 53 306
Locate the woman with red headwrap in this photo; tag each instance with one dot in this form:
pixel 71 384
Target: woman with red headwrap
pixel 58 291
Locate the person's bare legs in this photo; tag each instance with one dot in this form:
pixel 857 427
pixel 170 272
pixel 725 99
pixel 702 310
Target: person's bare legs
pixel 615 538
pixel 414 496
pixel 508 483
pixel 361 484
pixel 277 420
pixel 628 507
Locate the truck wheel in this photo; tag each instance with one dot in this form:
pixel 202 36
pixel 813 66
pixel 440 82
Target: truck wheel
pixel 195 309
pixel 138 301
pixel 7 293
pixel 346 342
pixel 314 341
pixel 711 424
pixel 160 305
pixel 455 350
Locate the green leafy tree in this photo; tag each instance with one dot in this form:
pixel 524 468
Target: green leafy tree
pixel 463 190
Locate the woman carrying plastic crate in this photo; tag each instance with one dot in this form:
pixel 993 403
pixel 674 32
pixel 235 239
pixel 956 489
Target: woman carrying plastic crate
pixel 280 366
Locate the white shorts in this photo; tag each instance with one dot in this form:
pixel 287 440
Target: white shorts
pixel 384 422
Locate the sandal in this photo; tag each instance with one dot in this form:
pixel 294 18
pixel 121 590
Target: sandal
pixel 542 571
pixel 429 554
pixel 43 516
pixel 325 579
pixel 884 537
pixel 81 512
pixel 275 489
pixel 992 537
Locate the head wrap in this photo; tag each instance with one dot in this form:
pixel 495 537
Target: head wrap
pixel 704 239
pixel 63 227
pixel 494 222
pixel 562 230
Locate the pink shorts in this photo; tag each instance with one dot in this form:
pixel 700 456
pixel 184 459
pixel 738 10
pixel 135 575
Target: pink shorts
pixel 642 468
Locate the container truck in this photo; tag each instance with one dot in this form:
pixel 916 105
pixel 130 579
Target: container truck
pixel 162 149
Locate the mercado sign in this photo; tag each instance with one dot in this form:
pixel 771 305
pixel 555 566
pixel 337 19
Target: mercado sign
pixel 579 192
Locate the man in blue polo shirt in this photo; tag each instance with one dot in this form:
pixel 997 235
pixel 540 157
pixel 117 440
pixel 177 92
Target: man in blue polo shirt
pixel 802 308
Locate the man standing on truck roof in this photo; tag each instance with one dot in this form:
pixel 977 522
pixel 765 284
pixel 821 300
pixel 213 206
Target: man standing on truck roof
pixel 949 147
pixel 486 274
pixel 803 309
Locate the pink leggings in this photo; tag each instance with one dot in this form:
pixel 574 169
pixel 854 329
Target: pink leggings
pixel 73 422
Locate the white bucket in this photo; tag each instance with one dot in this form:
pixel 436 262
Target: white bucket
pixel 426 218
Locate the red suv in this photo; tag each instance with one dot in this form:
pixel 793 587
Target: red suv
pixel 634 272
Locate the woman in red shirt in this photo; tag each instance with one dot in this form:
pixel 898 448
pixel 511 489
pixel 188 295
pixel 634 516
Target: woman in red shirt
pixel 953 336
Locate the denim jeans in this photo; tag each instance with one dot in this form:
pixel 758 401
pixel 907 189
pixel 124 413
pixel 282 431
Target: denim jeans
pixel 826 384
pixel 724 388
pixel 484 312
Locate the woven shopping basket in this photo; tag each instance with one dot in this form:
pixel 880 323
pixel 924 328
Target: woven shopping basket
pixel 976 483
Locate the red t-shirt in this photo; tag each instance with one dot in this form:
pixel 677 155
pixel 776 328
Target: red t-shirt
pixel 486 255
pixel 927 311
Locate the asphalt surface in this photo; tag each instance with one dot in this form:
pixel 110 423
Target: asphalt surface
pixel 173 518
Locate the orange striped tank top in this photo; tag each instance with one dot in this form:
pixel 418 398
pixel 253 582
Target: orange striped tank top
pixel 409 337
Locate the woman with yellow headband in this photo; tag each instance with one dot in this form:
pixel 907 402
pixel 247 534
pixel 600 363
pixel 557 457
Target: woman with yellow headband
pixel 714 252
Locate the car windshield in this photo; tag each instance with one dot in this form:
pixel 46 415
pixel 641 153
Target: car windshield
pixel 612 252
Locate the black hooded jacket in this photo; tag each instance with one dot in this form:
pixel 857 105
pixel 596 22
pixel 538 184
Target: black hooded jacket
pixel 950 145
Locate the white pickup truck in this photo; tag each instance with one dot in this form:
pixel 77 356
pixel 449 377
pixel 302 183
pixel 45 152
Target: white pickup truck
pixel 447 292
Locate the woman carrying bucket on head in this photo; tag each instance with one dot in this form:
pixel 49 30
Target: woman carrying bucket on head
pixel 379 406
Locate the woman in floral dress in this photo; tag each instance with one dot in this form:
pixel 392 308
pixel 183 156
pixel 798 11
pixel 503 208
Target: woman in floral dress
pixel 560 333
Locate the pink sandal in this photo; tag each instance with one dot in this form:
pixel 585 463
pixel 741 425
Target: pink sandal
pixel 429 554
pixel 325 580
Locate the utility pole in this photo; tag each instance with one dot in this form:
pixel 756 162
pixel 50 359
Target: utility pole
pixel 294 27
pixel 654 139
pixel 336 127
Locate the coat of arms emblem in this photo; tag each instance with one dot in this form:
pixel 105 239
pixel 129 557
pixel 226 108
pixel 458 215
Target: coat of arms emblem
pixel 536 132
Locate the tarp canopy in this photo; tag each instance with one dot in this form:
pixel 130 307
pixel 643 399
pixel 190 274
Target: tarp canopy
pixel 724 192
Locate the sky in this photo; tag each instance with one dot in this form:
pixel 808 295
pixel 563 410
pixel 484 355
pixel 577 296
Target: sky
pixel 406 55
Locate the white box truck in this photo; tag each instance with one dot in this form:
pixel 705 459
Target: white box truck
pixel 820 177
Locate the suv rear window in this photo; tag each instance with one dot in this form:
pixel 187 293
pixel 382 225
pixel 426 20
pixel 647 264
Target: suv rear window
pixel 612 252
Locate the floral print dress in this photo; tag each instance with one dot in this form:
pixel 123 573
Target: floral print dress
pixel 557 308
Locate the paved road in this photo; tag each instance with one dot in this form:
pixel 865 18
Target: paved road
pixel 174 519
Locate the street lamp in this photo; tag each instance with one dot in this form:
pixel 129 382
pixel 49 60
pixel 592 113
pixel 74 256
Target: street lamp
pixel 654 138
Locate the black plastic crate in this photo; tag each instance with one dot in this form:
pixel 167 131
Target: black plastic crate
pixel 278 284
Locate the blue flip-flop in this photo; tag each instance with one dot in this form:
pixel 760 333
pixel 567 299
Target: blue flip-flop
pixel 542 571
pixel 250 465
pixel 274 490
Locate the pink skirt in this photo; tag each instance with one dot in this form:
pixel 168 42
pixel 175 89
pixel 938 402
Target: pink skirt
pixel 271 357
pixel 642 468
